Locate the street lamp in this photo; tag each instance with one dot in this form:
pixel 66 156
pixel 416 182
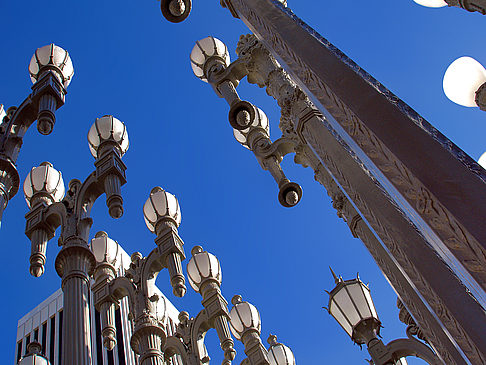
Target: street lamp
pixel 246 327
pixel 150 339
pixel 33 355
pixel 351 305
pixel 210 62
pixel 465 83
pixel 49 209
pixel 51 71
pixel 469 5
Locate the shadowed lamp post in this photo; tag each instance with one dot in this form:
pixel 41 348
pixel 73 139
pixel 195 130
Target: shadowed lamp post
pixel 361 138
pixel 150 339
pixel 351 306
pixel 50 209
pixel 51 71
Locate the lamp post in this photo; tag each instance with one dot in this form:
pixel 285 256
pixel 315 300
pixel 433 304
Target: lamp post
pixel 51 71
pixel 44 192
pixel 211 63
pixel 469 5
pixel 365 143
pixel 150 339
pixel 351 305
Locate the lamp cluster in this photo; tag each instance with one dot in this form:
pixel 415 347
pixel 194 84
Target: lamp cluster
pixel 162 216
pixel 44 191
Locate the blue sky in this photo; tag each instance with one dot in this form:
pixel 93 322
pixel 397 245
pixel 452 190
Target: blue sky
pixel 133 64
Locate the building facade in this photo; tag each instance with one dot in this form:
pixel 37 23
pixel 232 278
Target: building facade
pixel 44 325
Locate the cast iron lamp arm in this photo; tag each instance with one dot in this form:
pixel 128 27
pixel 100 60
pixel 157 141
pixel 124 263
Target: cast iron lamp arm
pixel 249 122
pixel 16 123
pixel 382 354
pixel 19 119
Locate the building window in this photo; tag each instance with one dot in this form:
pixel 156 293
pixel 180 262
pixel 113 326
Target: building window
pixel 60 336
pixel 19 350
pixel 52 340
pixel 119 338
pixel 44 338
pixel 99 347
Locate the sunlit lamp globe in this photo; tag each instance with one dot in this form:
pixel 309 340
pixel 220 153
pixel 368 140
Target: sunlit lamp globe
pixel 431 3
pixel 105 249
pixel 51 57
pixel 462 79
pixel 482 160
pixel 205 50
pixel 43 183
pixel 161 205
pixel 107 128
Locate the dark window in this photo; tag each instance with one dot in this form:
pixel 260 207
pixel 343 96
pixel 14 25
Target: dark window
pixel 52 339
pixel 99 347
pixel 27 340
pixel 60 336
pixel 119 338
pixel 19 350
pixel 44 337
pixel 36 334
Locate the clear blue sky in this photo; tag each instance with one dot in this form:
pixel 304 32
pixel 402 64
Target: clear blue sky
pixel 133 64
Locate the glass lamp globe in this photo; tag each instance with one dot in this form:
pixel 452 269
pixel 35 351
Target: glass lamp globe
pixel 482 160
pixel 44 182
pixel 279 354
pixel 462 79
pixel 107 128
pixel 431 3
pixel 261 122
pixel 203 266
pixel 51 57
pixel 243 317
pixel 350 303
pixel 105 249
pixel 161 204
pixel 204 50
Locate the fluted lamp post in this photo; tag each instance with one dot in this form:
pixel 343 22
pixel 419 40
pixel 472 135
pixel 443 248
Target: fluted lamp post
pixel 469 5
pixel 34 355
pixel 351 305
pixel 246 327
pixel 51 71
pixel 49 209
pixel 211 63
